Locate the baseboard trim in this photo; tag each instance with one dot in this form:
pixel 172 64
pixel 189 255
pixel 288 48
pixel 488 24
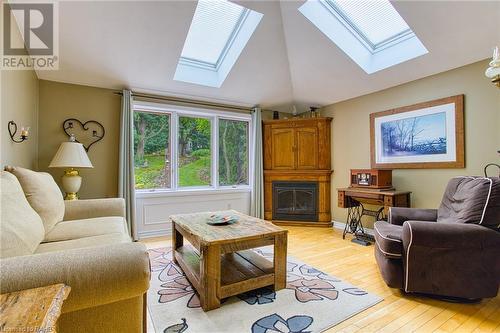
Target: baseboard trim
pixel 154 233
pixel 341 225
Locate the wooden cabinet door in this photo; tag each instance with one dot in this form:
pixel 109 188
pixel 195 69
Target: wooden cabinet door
pixel 307 147
pixel 283 143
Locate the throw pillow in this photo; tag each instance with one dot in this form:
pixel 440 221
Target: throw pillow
pixel 43 194
pixel 21 228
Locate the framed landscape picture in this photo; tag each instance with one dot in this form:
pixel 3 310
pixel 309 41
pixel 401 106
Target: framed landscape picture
pixel 424 135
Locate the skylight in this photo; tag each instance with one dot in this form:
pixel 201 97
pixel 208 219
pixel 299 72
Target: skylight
pixel 218 33
pixel 214 23
pixel 371 32
pixel 376 21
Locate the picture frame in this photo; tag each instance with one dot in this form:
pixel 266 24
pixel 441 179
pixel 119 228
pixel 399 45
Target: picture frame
pixel 427 135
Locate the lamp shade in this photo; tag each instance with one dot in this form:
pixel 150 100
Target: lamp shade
pixel 71 155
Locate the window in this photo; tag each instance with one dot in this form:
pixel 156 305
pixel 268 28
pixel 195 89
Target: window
pixel 218 19
pixel 377 22
pixel 152 158
pixel 194 153
pixel 233 152
pixel 218 33
pixel 371 33
pixel 180 148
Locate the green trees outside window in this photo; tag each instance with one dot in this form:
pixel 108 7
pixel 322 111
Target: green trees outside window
pixel 195 158
pixel 153 151
pixel 233 152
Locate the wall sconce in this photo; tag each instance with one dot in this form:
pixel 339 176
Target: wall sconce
pixel 493 72
pixel 12 127
pixel 91 126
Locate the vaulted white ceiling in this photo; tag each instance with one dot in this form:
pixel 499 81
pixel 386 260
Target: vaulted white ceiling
pixel 137 44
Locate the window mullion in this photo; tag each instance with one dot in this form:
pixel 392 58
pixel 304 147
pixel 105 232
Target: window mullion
pixel 175 145
pixel 215 150
pixel 250 151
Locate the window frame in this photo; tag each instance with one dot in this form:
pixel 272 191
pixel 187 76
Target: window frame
pixel 176 111
pixel 170 148
pixel 361 35
pixel 388 54
pixel 210 75
pixel 249 151
pixel 223 52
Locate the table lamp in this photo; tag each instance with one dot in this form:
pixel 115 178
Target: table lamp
pixel 71 155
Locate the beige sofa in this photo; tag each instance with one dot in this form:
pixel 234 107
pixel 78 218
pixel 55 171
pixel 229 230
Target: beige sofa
pixel 84 244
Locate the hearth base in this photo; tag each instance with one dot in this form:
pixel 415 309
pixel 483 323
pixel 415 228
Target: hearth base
pixel 303 223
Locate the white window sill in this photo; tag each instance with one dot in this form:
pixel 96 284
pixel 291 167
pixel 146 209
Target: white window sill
pixel 189 192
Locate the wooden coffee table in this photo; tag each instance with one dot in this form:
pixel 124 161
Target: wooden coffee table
pixel 220 263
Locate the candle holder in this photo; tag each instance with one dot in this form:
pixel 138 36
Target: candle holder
pixel 493 72
pixel 12 127
pixel 82 128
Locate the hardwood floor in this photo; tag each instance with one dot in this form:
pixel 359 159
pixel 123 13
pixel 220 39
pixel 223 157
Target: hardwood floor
pixel 325 249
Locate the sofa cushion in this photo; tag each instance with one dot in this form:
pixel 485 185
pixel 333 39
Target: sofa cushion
pixel 388 239
pixel 75 229
pixel 21 229
pixel 43 194
pixel 471 200
pixel 85 242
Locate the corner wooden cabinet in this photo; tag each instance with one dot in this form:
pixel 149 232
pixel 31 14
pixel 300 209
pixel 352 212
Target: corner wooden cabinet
pixel 298 150
pixel 297 144
pixel 282 149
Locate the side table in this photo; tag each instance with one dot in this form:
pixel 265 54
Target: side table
pixel 353 199
pixel 32 310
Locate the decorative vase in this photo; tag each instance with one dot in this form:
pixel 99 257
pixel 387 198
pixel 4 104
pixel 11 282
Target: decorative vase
pixel 314 112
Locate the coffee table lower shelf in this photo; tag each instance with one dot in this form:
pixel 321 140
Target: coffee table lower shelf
pixel 240 271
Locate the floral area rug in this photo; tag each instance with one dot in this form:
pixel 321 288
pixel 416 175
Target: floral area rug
pixel 312 302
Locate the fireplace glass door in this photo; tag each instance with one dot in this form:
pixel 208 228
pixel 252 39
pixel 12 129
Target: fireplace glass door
pixel 295 201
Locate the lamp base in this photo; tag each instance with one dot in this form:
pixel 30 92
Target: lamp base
pixel 71 182
pixel 71 196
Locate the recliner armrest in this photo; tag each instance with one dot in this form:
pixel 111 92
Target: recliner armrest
pixel 398 215
pixel 449 235
pixel 443 259
pixel 97 275
pixel 90 208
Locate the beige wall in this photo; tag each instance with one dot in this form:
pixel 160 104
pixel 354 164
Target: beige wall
pixel 351 131
pixel 59 101
pixel 19 102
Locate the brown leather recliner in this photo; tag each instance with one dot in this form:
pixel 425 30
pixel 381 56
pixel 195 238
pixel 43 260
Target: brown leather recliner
pixel 453 251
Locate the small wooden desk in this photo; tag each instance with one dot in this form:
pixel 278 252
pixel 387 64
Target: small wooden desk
pixel 353 199
pixel 32 310
pixel 221 263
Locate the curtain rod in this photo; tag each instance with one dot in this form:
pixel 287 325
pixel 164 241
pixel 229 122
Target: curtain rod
pixel 188 101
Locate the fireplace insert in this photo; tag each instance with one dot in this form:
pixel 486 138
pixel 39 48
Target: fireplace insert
pixel 295 201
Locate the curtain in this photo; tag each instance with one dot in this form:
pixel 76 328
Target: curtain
pixel 257 198
pixel 126 183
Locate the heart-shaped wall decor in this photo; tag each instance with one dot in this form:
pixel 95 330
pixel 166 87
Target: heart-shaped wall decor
pixel 86 133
